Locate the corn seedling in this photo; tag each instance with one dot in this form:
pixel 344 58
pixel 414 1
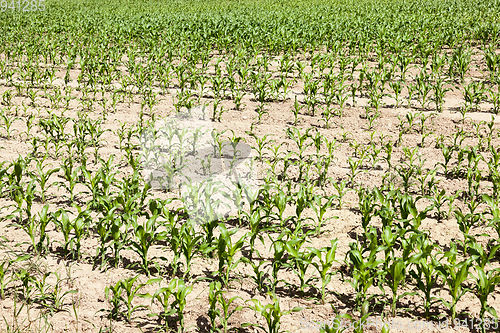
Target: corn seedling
pixel 325 264
pixel 454 275
pixel 272 314
pixel 364 270
pixel 486 283
pixel 226 251
pixel 425 272
pixel 8 121
pixel 220 308
pixel 145 236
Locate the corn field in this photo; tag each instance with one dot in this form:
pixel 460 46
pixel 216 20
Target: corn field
pixel 249 165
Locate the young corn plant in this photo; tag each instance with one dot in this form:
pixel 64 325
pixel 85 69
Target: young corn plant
pixel 261 144
pixel 7 98
pixel 425 272
pixel 296 111
pixel 494 97
pixel 320 209
pixel 190 243
pixel 260 276
pixel 397 87
pixel 5 269
pixel 175 242
pixel 494 211
pixel 127 286
pixel 145 236
pixel 300 261
pixel 220 308
pixel 364 270
pixel 324 265
pixel 63 223
pixel 412 89
pixel 367 206
pixel 410 216
pixel 300 139
pixel 424 86
pixel 41 290
pixel 390 237
pixel 355 167
pixel 180 291
pixel 110 237
pixel 272 314
pixel 311 88
pixel 486 284
pixel 71 176
pixel 226 252
pixel 439 90
pixel 341 188
pixel 474 93
pixel 492 62
pixel 482 256
pixel 304 199
pixel 454 274
pixel 465 223
pixel 460 62
pixel 115 298
pixel 80 226
pixel 28 281
pixel 42 178
pixel 279 261
pixel 395 276
pixel 8 121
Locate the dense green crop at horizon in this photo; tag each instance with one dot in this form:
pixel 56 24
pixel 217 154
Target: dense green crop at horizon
pixel 274 25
